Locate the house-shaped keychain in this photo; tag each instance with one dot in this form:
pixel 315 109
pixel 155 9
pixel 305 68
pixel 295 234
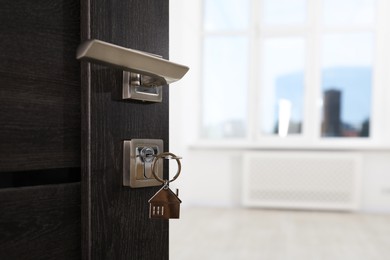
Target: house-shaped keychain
pixel 165 204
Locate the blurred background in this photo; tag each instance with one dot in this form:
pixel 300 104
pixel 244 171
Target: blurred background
pixel 283 125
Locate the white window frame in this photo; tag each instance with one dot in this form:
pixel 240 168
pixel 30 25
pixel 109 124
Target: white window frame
pixel 310 139
pixel 310 136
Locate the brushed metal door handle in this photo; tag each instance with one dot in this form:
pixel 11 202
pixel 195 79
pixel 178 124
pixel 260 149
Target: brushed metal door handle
pixel 144 73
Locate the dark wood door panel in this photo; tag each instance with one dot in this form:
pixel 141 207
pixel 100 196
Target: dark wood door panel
pixel 40 124
pixel 39 129
pixel 40 222
pixel 39 38
pixel 116 223
pixel 39 85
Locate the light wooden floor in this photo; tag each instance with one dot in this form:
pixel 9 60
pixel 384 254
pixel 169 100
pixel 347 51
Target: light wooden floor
pixel 220 234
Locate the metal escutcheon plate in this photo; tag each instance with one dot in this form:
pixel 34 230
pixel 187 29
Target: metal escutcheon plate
pixel 135 170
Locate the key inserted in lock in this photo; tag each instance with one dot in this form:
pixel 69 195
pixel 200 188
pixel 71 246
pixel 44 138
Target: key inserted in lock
pixel 146 155
pixel 138 156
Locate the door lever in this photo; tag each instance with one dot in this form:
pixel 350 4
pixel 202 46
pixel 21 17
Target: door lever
pixel 143 72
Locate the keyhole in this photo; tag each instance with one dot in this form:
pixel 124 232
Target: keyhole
pixel 147 154
pixel 147 159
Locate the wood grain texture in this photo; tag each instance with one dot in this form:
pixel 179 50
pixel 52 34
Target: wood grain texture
pixel 40 222
pixel 116 223
pixel 39 85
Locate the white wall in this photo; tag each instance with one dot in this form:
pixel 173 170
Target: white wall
pixel 376 182
pixel 212 176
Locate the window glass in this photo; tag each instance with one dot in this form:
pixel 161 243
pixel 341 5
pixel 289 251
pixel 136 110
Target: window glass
pixel 226 14
pixel 348 12
pixel 282 83
pixel 284 12
pixel 346 84
pixel 225 84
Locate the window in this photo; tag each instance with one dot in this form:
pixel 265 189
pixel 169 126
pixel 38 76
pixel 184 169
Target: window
pixel 282 81
pixel 225 69
pixel 346 79
pixel 288 69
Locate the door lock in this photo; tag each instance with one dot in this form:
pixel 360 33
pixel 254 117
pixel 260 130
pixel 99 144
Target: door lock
pixel 147 155
pixel 138 157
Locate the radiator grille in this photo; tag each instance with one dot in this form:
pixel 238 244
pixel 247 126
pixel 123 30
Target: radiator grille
pixel 302 180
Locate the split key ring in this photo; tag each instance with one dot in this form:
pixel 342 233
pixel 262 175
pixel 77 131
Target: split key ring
pixel 166 155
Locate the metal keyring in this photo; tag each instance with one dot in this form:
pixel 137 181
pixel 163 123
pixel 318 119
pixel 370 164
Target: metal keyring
pixel 168 156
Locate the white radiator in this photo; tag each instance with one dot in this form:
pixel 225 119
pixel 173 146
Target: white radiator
pixel 306 180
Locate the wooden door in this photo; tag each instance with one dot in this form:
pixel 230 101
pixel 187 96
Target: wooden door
pixel 39 130
pixel 116 223
pixel 61 123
